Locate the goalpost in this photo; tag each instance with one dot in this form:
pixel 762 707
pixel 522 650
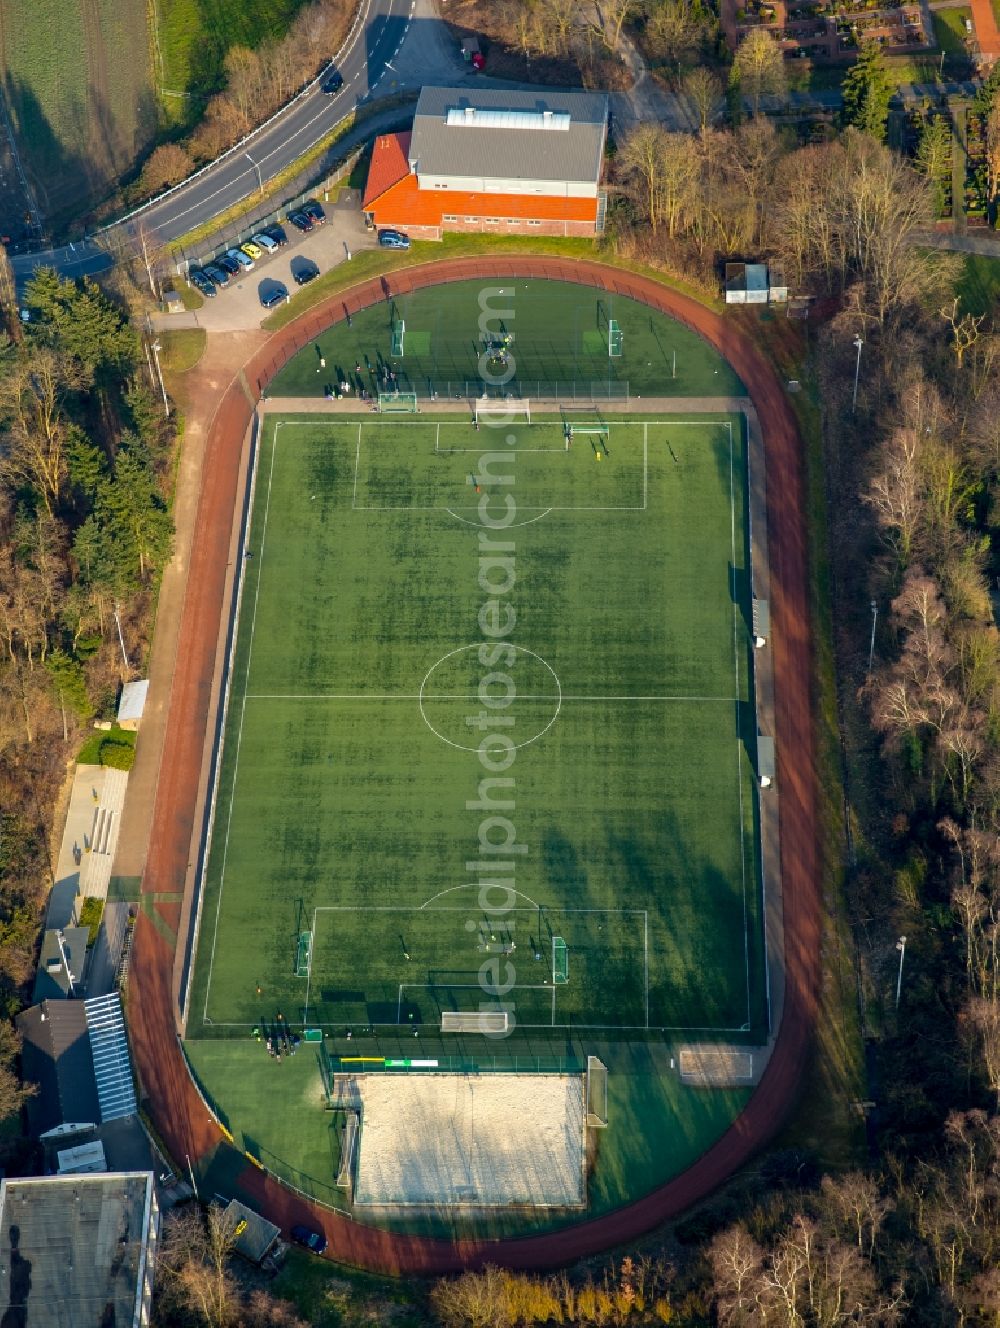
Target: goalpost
pixel 397 403
pixel 507 412
pixel 560 962
pixel 303 954
pixel 398 333
pixel 614 339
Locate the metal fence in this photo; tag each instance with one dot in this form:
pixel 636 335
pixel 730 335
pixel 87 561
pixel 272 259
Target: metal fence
pixel 255 218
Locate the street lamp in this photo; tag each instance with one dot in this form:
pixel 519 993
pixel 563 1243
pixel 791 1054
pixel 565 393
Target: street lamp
pixel 871 647
pixel 121 639
pixel 901 947
pixel 858 343
pixel 260 178
pixel 156 348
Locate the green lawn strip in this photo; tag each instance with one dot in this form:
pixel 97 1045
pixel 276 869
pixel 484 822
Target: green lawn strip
pixel 561 337
pixel 979 285
pixel 194 35
pixel 374 262
pixel 182 348
pixel 274 1109
pixel 90 752
pixel 950 30
pixel 191 299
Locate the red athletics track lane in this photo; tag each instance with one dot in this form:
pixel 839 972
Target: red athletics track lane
pixel 174 1104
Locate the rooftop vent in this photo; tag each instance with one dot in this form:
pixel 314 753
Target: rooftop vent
pixel 501 119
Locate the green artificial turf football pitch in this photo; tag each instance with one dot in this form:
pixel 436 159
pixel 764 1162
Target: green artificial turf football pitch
pixel 417 588
pixel 559 346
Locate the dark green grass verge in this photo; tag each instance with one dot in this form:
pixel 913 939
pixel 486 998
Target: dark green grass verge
pixel 560 342
pixel 90 752
pixel 979 285
pixel 350 801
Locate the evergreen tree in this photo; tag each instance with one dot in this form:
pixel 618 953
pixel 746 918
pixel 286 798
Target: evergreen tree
pixel 867 91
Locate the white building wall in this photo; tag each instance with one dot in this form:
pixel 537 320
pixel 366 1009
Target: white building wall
pixel 475 184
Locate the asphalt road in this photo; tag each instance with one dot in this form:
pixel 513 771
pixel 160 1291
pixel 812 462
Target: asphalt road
pixel 239 173
pixel 394 46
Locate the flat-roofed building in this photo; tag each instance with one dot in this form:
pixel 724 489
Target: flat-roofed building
pixel 78 1251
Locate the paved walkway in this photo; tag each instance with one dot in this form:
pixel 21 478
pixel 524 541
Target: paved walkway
pixel 984 242
pixel 84 797
pixel 107 816
pixel 220 364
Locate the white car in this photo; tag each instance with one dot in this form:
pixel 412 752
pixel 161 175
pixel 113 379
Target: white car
pixel 265 242
pixel 238 256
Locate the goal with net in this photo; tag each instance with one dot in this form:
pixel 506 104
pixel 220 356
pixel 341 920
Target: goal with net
pixel 503 412
pixel 303 954
pixel 560 961
pixel 398 335
pixel 397 403
pixel 614 339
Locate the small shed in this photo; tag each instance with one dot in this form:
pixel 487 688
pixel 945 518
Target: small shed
pixel 132 704
pixel 470 47
pixel 83 1158
pixel 62 949
pixel 253 1236
pixel 751 283
pixel 172 302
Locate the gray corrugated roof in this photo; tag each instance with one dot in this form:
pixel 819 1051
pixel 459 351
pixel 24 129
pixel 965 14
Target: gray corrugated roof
pixel 507 152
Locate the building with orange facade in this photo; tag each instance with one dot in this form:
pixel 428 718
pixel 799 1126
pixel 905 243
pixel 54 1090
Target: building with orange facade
pixel 508 163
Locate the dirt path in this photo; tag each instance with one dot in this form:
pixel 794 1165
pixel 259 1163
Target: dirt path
pixel 177 1110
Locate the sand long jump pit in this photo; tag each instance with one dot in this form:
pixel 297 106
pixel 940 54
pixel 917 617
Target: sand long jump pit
pixel 487 1141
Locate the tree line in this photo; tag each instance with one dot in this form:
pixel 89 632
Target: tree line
pixel 257 83
pixel 85 528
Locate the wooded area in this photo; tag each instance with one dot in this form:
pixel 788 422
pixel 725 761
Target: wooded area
pixel 85 527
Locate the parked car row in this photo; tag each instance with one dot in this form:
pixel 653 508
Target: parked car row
pixel 235 261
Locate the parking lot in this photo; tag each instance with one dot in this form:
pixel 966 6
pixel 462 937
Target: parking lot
pixel 237 306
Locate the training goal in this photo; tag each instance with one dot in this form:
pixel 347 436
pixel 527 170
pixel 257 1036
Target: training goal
pixel 303 954
pixel 560 962
pixel 597 1093
pixel 398 335
pixel 475 1021
pixel 397 403
pixel 499 413
pixel 614 340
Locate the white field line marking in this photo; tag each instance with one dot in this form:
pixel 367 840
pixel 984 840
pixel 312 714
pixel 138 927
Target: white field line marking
pixel 645 956
pixel 243 710
pixel 357 460
pixel 739 745
pixel 460 696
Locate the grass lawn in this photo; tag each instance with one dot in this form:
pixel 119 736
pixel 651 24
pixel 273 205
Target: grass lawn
pixel 194 36
pixel 90 752
pixel 979 285
pixel 182 348
pixel 561 337
pixel 953 38
pixel 77 77
pixel 374 262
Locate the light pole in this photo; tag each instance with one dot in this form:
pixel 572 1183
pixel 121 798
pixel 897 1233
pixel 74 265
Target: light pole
pixel 159 373
pixel 871 647
pixel 121 639
pixel 901 947
pixel 260 178
pixel 858 343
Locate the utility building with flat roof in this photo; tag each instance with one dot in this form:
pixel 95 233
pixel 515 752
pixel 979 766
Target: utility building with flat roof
pixel 488 160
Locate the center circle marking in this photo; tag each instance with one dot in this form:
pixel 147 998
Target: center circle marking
pixel 426 695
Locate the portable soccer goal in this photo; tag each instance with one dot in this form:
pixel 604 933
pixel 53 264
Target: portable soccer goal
pixel 397 403
pixel 504 412
pixel 303 954
pixel 398 335
pixel 475 1021
pixel 614 339
pixel 560 962
pixel 597 1093
pixel 600 431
